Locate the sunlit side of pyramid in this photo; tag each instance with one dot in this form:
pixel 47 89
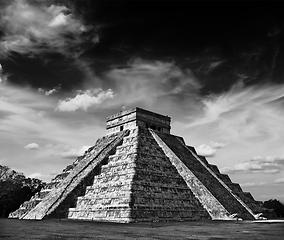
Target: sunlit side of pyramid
pixel 140 172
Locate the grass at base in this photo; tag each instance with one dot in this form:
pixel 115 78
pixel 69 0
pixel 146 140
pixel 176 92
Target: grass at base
pixel 72 229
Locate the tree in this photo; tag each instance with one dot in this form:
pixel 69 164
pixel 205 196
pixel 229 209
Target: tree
pixel 276 205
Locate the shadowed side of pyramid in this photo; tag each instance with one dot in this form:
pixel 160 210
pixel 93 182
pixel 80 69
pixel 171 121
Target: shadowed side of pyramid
pixel 174 147
pixel 246 197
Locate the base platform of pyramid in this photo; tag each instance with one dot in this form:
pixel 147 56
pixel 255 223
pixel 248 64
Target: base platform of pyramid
pixel 140 172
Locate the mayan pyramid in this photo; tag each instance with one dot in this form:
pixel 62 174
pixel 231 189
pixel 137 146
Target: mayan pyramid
pixel 140 172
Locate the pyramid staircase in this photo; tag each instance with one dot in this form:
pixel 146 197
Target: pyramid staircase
pixel 139 183
pixel 56 200
pixel 140 172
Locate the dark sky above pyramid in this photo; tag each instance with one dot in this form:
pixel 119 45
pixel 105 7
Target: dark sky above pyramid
pixel 218 42
pixel 215 67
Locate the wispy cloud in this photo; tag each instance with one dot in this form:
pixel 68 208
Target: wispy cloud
pixel 239 98
pixel 156 77
pixel 217 145
pixel 154 84
pixel 141 83
pixel 28 116
pixel 34 27
pixel 84 100
pixel 65 151
pixel 279 181
pixel 21 107
pixel 73 153
pixel 245 113
pixel 258 164
pixel 253 184
pixel 32 146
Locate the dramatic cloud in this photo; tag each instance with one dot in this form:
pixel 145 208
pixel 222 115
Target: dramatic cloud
pixel 34 27
pixel 32 146
pixel 258 164
pixel 85 99
pixel 206 151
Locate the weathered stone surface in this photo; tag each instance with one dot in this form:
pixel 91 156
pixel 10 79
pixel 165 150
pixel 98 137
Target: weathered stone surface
pixel 138 183
pixel 135 117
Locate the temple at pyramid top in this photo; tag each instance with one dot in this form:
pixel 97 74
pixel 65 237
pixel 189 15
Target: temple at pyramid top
pixel 138 117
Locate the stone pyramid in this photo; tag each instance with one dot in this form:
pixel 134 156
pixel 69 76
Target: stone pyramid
pixel 140 172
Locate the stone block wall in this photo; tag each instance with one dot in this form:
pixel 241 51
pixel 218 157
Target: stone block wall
pixel 135 117
pixel 158 190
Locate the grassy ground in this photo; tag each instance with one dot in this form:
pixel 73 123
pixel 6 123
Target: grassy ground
pixel 209 230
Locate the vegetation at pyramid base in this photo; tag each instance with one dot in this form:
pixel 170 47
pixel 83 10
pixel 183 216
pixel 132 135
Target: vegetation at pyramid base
pixel 276 205
pixel 15 189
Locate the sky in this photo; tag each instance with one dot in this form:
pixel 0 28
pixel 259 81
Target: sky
pixel 215 68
